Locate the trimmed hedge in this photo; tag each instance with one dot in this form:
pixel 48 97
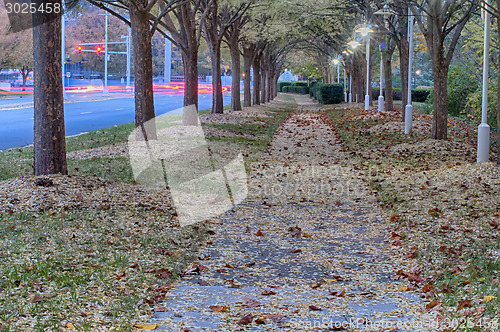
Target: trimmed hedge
pixel 328 93
pixel 417 95
pixel 300 83
pixel 296 89
pixel 282 84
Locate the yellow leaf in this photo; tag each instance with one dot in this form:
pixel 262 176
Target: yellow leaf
pixel 146 326
pixel 70 326
pixel 405 289
pixel 306 235
pixel 488 298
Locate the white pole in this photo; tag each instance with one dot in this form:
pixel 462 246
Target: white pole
pixel 381 96
pixel 483 131
pixel 350 88
pixel 409 107
pixel 105 91
pixel 338 72
pixel 168 62
pixel 129 49
pixel 63 55
pixel 367 97
pixel 345 86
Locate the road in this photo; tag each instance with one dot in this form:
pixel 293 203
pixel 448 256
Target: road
pixel 83 112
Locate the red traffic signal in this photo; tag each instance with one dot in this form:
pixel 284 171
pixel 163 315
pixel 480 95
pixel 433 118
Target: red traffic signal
pixel 98 49
pixel 79 48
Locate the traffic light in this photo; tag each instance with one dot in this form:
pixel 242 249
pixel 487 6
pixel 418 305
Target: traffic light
pixel 79 48
pixel 98 49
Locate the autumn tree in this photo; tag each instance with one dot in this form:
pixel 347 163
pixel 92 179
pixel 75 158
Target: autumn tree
pixel 49 133
pixel 220 16
pixel 441 23
pixel 20 49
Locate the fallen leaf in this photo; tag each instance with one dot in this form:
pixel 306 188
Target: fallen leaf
pixel 260 320
pixel 464 304
pixel 307 235
pixel 146 326
pixel 314 308
pixel 203 283
pixel 70 326
pixel 259 233
pixel 36 298
pixel 251 303
pixel 431 304
pixel 268 292
pixel 427 288
pixel 294 251
pixel 488 298
pixel 245 320
pixel 405 289
pixel 219 308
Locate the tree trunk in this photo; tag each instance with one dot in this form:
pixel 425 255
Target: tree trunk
pixel 498 93
pixel 235 75
pixel 247 80
pixel 440 116
pixel 403 67
pixel 389 100
pixel 190 64
pixel 143 72
pixel 256 80
pixel 263 80
pixel 269 83
pixel 217 101
pixel 49 132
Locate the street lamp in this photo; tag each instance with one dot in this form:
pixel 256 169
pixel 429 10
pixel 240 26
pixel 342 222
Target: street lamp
pixel 365 32
pixel 483 130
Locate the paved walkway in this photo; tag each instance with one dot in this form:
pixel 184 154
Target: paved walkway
pixel 305 251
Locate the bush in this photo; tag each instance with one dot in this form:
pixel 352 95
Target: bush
pixel 473 107
pixel 301 83
pixel 397 94
pixel 329 93
pixel 420 95
pixel 296 89
pixel 282 84
pixel 461 84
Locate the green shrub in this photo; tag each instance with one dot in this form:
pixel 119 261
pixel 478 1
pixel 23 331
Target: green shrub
pixel 282 84
pixel 300 83
pixel 461 84
pixel 473 107
pixel 329 93
pixel 397 94
pixel 420 95
pixel 296 89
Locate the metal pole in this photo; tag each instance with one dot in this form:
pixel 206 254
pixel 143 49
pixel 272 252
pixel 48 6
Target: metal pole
pixel 105 91
pixel 367 96
pixel 483 130
pixel 63 55
pixel 409 107
pixel 350 88
pixel 345 86
pixel 338 73
pixel 129 49
pixel 168 62
pixel 381 96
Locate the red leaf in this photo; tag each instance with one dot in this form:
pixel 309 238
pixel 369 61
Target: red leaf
pixel 268 292
pixel 315 308
pixel 245 320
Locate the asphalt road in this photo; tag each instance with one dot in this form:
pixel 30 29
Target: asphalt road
pixel 83 112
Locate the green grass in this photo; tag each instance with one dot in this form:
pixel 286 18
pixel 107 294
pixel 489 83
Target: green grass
pixel 76 260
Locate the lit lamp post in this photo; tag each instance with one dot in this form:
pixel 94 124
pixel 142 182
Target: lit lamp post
pixel 483 131
pixel 365 32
